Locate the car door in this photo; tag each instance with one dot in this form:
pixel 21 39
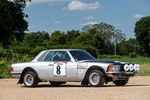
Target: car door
pixel 72 72
pixel 61 67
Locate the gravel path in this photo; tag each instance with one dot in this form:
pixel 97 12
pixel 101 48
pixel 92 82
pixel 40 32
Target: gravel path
pixel 138 88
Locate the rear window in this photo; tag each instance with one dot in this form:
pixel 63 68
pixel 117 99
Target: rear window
pixel 42 56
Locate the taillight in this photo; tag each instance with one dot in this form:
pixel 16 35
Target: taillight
pixel 11 69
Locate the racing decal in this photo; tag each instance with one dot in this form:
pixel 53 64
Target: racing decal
pixel 59 68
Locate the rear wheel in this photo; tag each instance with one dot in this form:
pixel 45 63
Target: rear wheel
pixel 56 83
pixel 96 78
pixel 121 82
pixel 30 79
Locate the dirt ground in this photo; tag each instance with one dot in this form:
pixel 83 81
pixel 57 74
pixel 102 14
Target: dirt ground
pixel 138 88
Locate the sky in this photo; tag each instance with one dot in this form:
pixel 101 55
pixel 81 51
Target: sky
pixel 64 15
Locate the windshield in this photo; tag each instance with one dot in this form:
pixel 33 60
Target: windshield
pixel 79 55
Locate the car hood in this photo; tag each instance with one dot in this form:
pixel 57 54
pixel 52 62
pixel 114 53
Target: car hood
pixel 103 61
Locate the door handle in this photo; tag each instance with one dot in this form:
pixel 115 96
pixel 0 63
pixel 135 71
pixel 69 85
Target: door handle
pixel 50 64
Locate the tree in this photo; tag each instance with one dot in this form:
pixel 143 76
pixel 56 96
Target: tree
pixel 86 39
pixel 106 35
pixel 34 39
pixel 57 38
pixel 71 36
pixel 128 47
pixel 142 30
pixel 12 22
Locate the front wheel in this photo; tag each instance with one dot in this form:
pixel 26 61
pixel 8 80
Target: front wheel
pixel 121 82
pixel 30 79
pixel 96 78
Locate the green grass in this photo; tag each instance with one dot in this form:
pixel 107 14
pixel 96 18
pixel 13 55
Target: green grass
pixel 139 60
pixel 145 70
pixel 143 61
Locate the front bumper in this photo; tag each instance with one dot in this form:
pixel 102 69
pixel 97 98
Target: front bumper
pixel 120 75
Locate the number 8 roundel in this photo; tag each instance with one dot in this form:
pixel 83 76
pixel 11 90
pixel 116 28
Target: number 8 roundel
pixel 59 68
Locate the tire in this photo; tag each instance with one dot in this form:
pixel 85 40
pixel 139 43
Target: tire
pixel 121 82
pixel 96 78
pixel 30 79
pixel 56 83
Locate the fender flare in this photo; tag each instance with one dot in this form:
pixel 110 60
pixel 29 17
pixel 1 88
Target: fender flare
pixel 24 71
pixel 85 79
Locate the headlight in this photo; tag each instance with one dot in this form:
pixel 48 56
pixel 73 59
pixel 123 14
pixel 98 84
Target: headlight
pixel 116 68
pixel 136 67
pixel 131 67
pixel 113 68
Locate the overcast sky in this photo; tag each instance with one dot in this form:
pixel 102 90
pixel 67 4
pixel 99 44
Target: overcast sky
pixel 52 15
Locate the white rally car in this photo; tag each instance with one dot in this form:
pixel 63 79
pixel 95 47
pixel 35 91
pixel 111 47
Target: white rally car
pixel 59 66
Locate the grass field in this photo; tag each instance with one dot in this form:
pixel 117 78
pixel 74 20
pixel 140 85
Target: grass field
pixel 143 61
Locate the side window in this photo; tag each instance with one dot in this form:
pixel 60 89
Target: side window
pixel 61 56
pixel 57 56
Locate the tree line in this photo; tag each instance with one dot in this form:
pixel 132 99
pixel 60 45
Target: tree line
pixel 98 39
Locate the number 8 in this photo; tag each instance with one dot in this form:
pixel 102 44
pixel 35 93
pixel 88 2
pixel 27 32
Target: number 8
pixel 58 69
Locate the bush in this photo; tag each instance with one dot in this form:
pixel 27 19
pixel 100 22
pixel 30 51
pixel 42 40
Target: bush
pixel 109 56
pixel 3 52
pixel 88 48
pixel 24 58
pixel 37 50
pixel 132 55
pixel 20 49
pixel 4 70
pixel 58 47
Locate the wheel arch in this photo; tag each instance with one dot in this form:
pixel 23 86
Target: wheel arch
pixel 24 71
pixel 93 68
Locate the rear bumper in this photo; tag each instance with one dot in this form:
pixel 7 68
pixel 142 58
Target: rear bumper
pixel 120 75
pixel 16 75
